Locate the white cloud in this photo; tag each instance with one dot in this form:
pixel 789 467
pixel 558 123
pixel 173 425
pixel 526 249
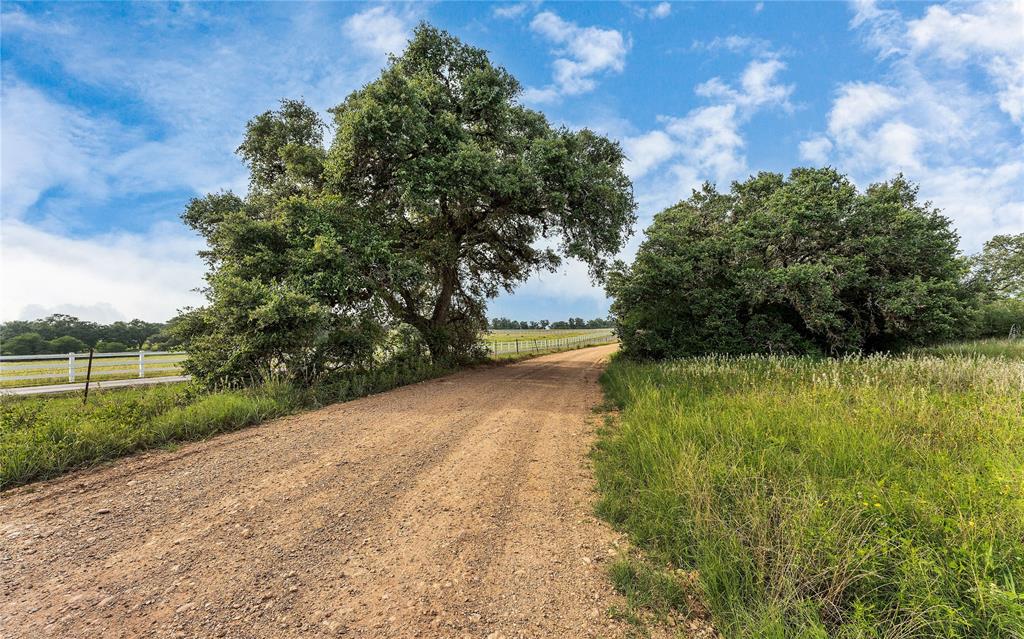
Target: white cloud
pixel 48 145
pixel 927 117
pixel 647 151
pixel 650 10
pixel 660 10
pixel 737 44
pixel 990 35
pixel 44 145
pixel 540 95
pixel 583 53
pixel 59 160
pixel 570 283
pixel 759 7
pixel 377 31
pixel 148 275
pixel 710 142
pixel 511 10
pixel 859 104
pixel 707 142
pixel 816 150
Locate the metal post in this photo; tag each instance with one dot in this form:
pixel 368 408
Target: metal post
pixel 71 367
pixel 88 377
pixel 142 365
pixel 517 345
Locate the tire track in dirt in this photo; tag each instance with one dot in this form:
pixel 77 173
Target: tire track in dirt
pixel 456 507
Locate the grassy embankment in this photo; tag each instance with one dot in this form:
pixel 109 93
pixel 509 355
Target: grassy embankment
pixel 862 497
pixel 42 437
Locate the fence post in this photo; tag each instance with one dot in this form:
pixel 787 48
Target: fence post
pixel 142 366
pixel 517 346
pixel 71 367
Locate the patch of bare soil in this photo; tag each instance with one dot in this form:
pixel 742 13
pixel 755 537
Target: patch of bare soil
pixel 460 506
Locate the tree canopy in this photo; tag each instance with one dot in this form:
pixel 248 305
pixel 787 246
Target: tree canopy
pixel 797 264
pixel 438 191
pixel 65 333
pixel 1000 266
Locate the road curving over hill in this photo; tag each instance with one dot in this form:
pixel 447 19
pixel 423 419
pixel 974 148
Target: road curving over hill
pixel 460 506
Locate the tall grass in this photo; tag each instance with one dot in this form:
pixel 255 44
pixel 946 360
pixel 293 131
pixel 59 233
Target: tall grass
pixel 862 497
pixel 1002 348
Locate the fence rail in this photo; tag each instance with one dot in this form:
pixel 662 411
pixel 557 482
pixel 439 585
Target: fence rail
pixel 73 366
pixel 506 347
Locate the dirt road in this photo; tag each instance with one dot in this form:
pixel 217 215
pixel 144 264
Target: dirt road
pixel 455 507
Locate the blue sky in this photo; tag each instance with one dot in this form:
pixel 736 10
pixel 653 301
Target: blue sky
pixel 114 115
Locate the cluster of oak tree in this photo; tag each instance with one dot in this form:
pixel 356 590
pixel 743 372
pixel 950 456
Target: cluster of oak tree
pixel 67 334
pixel 504 323
pixel 438 190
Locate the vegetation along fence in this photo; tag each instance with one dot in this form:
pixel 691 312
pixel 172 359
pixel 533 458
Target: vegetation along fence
pixel 32 370
pixel 17 370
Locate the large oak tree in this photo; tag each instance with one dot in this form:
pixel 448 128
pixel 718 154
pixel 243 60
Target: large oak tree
pixel 438 191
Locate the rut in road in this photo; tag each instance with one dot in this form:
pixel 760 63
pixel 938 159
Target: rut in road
pixel 460 506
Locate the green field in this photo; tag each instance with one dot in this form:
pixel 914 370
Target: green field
pixel 510 335
pixel 858 497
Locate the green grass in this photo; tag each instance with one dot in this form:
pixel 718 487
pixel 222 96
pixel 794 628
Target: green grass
pixel 862 497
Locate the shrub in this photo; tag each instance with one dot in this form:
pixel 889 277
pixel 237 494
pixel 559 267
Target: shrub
pixel 67 344
pixel 110 346
pixel 999 317
pixel 26 344
pixel 803 264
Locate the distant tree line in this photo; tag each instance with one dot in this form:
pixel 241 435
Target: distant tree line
pixel 66 334
pixel 504 323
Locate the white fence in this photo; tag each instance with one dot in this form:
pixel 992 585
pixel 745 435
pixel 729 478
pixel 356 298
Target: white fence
pixel 528 345
pixel 73 366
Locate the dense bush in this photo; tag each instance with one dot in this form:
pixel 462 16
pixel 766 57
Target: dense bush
pixel 26 344
pixel 803 264
pixel 999 317
pixel 67 344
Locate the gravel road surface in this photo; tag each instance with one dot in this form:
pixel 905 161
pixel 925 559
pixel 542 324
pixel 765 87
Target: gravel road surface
pixel 460 506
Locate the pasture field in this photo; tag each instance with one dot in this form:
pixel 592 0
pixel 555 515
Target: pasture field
pixel 45 436
pixel 859 497
pixel 511 335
